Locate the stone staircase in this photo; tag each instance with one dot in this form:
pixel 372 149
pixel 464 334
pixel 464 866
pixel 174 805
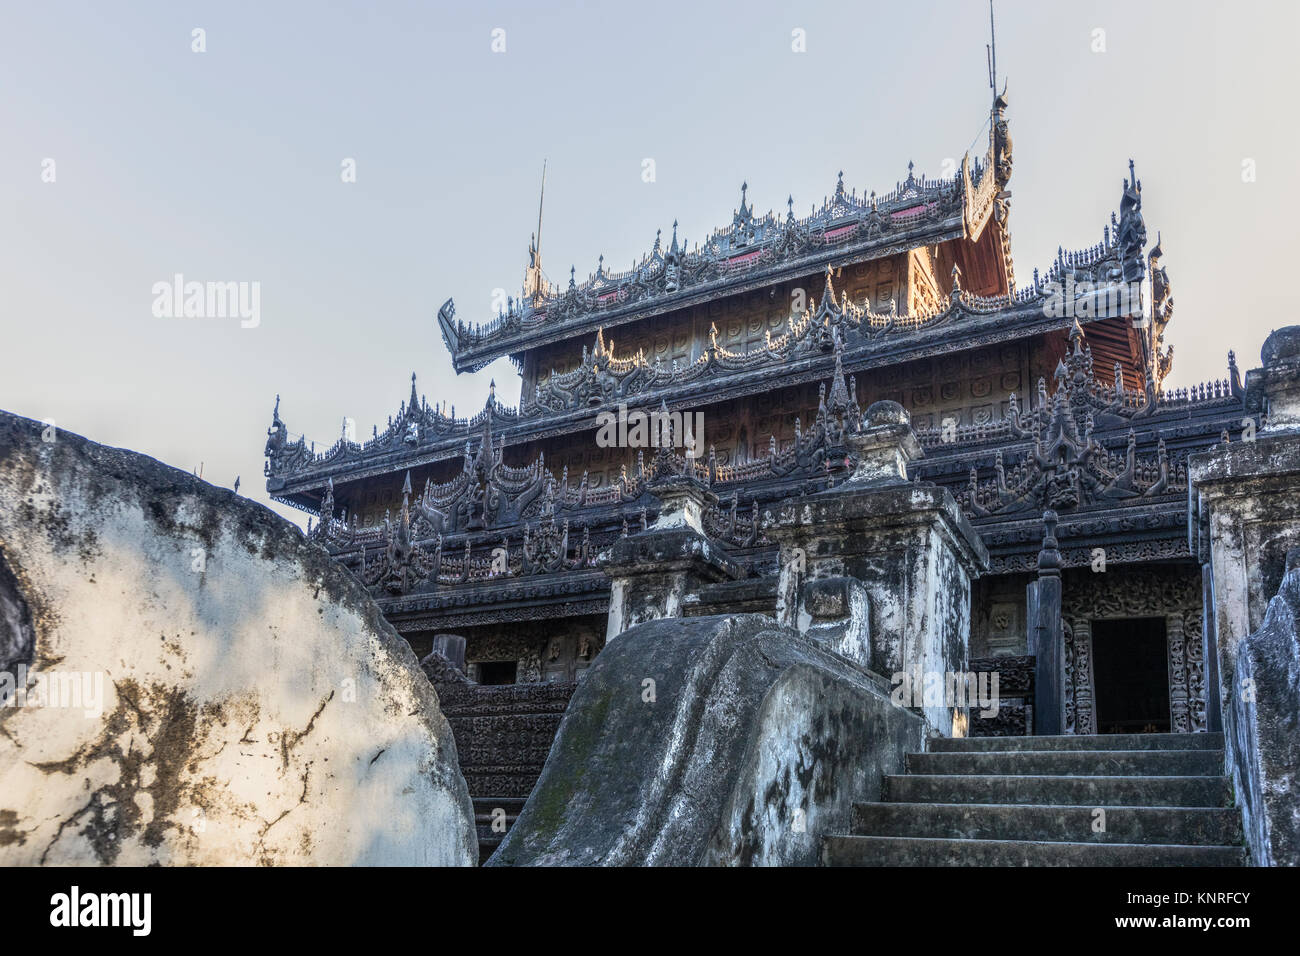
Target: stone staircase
pixel 484 810
pixel 1034 801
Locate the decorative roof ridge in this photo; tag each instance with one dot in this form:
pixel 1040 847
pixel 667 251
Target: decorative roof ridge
pixel 748 241
pixel 1098 266
pixel 407 427
pixel 1090 275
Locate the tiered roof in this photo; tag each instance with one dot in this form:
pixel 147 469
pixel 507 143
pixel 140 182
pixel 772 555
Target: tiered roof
pixel 866 338
pixel 750 252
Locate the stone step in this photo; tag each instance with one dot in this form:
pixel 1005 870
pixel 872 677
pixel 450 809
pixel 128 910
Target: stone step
pixel 1079 742
pixel 920 851
pixel 1029 822
pixel 489 838
pixel 1104 763
pixel 1076 790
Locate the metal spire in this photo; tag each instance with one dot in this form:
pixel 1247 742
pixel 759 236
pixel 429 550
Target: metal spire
pixel 540 200
pixel 535 283
pixel 991 48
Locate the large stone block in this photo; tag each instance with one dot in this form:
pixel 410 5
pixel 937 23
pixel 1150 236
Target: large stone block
pixel 711 741
pixel 238 697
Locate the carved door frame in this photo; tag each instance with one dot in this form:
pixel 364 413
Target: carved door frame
pixel 1168 593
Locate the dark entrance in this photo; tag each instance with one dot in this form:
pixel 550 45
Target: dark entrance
pixel 1130 661
pixel 497 672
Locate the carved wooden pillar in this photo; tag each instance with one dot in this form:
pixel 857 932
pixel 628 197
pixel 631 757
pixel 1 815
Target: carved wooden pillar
pixel 1084 711
pixel 1210 686
pixel 1195 670
pixel 1069 725
pixel 1179 712
pixel 1046 637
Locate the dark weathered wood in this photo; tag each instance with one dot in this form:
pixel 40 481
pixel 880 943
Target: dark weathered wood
pixel 1046 636
pixel 1213 706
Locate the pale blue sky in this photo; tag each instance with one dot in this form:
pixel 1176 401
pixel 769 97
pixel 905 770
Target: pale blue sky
pixel 225 166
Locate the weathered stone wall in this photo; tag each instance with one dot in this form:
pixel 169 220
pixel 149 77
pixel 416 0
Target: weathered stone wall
pixel 1244 525
pixel 656 573
pixel 710 740
pixel 241 700
pixel 1265 727
pixel 909 546
pixel 913 552
pixel 998 625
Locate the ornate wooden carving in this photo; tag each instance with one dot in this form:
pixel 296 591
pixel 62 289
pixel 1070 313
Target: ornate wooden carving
pixel 1172 592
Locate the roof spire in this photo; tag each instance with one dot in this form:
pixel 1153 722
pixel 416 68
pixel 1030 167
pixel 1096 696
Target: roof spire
pixel 534 283
pixel 828 291
pixel 415 399
pixel 991 49
pixel 542 199
pixel 1076 337
pixel 839 397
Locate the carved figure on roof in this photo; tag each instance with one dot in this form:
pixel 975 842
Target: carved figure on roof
pixel 281 455
pixel 1132 229
pixel 1001 139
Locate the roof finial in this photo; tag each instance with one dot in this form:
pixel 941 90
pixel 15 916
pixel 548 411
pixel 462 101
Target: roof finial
pixel 991 49
pixel 534 283
pixel 540 200
pixel 828 291
pixel 1076 337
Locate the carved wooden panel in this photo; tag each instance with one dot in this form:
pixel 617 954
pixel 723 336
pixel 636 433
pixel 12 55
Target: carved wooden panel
pixel 1173 593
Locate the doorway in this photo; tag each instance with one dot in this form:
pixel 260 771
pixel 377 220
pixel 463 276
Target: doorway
pixel 497 672
pixel 1131 675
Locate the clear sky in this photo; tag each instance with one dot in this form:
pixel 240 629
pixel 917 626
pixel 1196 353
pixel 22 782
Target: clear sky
pixel 225 165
